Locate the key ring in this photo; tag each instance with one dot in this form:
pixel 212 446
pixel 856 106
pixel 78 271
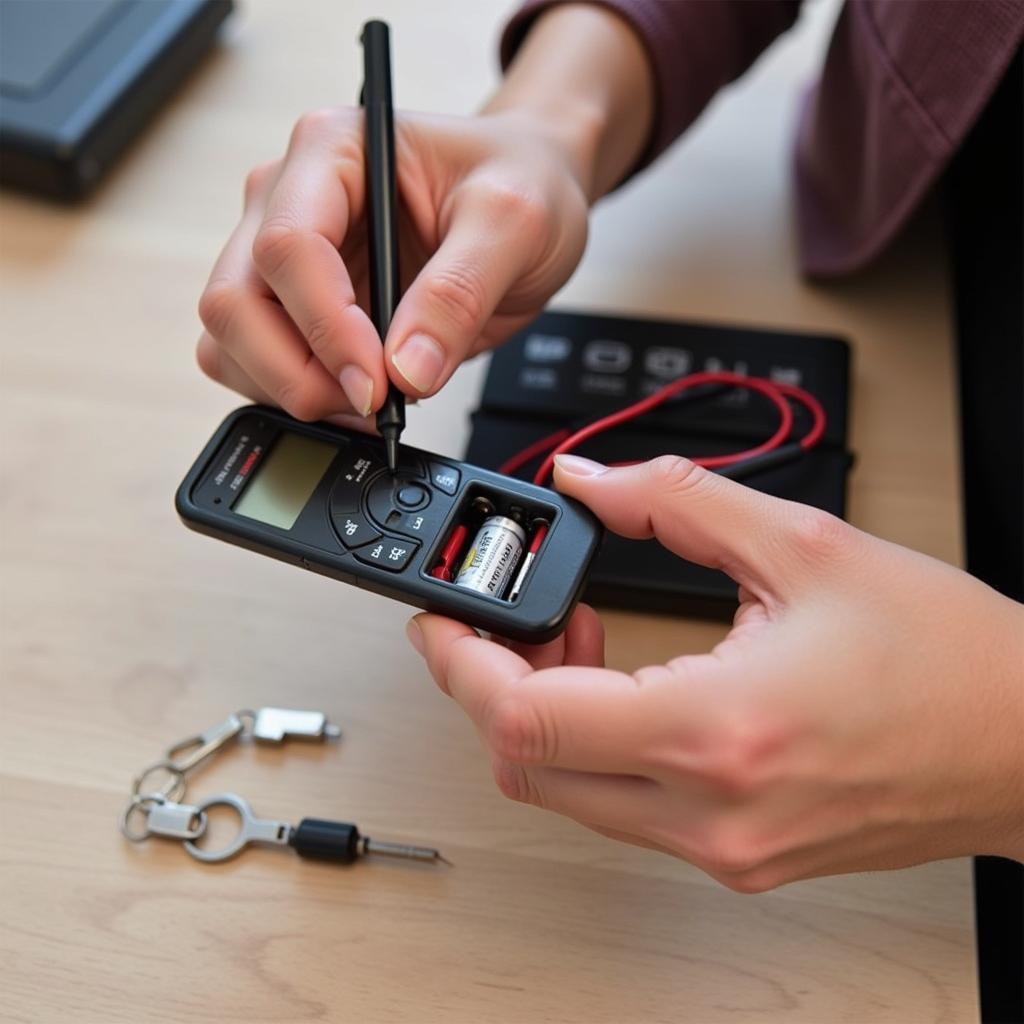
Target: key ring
pixel 250 830
pixel 138 803
pixel 164 817
pixel 173 789
pixel 194 749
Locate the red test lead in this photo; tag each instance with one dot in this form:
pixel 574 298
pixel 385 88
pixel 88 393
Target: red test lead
pixel 564 441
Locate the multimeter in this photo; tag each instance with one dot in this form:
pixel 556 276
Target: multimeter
pixel 497 553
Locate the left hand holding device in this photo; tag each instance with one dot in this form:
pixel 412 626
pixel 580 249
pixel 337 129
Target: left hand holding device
pixel 864 712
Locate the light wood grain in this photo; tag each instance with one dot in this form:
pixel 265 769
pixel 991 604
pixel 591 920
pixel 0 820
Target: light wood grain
pixel 122 631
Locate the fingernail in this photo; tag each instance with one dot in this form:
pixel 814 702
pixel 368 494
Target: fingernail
pixel 415 635
pixel 420 360
pixel 358 388
pixel 577 466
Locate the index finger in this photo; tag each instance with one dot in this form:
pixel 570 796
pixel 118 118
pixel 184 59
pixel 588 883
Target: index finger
pixel 309 211
pixel 588 719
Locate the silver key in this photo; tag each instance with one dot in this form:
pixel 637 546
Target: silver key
pixel 273 725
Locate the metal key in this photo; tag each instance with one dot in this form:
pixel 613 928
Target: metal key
pixel 275 724
pixel 336 841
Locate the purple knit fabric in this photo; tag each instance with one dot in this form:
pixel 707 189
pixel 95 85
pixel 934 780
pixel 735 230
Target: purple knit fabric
pixel 903 82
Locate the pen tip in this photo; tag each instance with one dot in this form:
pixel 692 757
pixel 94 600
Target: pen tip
pixel 391 447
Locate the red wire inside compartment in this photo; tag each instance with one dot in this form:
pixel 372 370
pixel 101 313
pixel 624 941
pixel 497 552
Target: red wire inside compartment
pixel 447 560
pixel 563 442
pixel 537 539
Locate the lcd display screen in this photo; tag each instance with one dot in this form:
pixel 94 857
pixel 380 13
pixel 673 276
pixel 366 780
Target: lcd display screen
pixel 283 484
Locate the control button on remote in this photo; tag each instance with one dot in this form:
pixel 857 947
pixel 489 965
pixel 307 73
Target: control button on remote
pixel 353 529
pixel 412 496
pixel 382 496
pixel 391 553
pixel 413 524
pixel 444 478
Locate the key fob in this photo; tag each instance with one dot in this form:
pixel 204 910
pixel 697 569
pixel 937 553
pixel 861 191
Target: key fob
pixel 497 553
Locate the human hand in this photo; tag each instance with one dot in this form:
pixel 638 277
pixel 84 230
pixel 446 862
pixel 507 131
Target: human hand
pixel 493 221
pixel 866 710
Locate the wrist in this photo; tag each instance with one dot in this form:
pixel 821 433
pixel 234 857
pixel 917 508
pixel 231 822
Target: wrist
pixel 583 81
pixel 572 130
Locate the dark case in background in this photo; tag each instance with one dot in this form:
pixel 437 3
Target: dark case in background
pixel 567 369
pixel 79 79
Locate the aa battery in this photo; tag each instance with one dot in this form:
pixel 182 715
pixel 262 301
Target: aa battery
pixel 493 557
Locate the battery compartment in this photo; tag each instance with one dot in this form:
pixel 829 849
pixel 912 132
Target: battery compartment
pixel 480 503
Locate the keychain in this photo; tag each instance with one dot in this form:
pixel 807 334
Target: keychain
pixel 317 838
pixel 167 816
pixel 269 725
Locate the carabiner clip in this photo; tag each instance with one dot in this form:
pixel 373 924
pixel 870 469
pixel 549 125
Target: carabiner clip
pixel 206 743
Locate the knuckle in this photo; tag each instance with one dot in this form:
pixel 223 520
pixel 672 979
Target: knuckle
pixel 458 293
pixel 740 752
pixel 653 675
pixel 728 851
pixel 518 205
pixel 206 357
pixel 348 151
pixel 517 734
pixel 818 535
pixel 298 401
pixel 217 306
pixel 319 332
pixel 672 474
pixel 274 244
pixel 750 883
pixel 514 783
pixel 313 125
pixel 257 179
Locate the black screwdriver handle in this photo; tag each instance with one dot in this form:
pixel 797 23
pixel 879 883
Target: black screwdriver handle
pixel 337 841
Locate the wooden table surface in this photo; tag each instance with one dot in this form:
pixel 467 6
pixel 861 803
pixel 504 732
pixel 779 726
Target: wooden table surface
pixel 122 631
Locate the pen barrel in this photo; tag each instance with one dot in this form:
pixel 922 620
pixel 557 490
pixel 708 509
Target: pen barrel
pixel 382 207
pixel 382 198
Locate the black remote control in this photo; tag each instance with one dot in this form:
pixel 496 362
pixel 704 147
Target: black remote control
pixel 497 553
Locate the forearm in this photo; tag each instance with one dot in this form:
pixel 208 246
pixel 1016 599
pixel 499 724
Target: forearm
pixel 582 77
pixel 1001 659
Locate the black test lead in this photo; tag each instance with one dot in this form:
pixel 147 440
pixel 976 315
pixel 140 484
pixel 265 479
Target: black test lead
pixel 382 213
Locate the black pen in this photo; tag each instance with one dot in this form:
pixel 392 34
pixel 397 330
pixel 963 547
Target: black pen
pixel 382 212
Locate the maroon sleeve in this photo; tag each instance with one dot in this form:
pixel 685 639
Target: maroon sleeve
pixel 695 47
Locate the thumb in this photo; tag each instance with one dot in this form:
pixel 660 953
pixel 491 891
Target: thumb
pixel 757 540
pixel 485 251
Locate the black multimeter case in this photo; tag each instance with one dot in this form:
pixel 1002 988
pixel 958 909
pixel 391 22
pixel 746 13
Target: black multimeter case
pixel 321 497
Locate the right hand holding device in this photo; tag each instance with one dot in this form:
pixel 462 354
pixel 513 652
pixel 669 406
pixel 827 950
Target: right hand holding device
pixel 862 714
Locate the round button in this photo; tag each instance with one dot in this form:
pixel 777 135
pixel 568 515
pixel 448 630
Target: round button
pixel 411 496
